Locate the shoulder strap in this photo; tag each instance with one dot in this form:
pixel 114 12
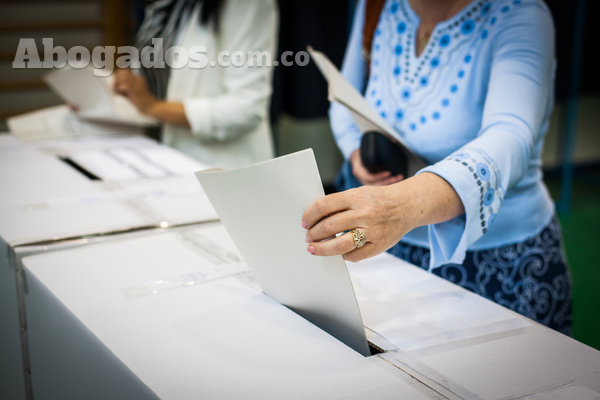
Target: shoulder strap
pixel 372 11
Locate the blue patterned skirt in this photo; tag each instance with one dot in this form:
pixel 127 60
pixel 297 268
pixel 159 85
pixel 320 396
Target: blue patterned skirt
pixel 531 277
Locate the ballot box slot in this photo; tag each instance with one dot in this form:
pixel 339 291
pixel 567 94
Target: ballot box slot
pixel 377 343
pixel 375 349
pixel 79 168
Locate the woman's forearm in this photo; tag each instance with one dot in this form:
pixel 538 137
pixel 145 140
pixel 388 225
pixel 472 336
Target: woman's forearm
pixel 427 199
pixel 170 112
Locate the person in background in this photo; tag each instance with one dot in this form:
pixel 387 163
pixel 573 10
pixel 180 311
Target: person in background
pixel 218 115
pixel 469 86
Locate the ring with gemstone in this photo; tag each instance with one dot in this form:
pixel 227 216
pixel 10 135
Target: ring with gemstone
pixel 359 238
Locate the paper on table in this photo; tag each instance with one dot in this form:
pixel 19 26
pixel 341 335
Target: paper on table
pixel 94 97
pixel 367 119
pixel 60 122
pixel 125 163
pixel 261 207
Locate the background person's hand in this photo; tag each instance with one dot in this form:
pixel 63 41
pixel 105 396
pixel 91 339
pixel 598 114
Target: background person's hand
pixel 367 178
pixel 134 87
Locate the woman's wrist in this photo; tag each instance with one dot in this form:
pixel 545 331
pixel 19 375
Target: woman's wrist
pixel 152 107
pixel 425 199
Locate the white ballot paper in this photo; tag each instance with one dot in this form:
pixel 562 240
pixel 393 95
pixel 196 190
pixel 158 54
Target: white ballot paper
pixel 94 96
pixel 261 206
pixel 61 122
pixel 367 119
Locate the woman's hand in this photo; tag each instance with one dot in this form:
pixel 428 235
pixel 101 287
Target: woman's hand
pixel 367 178
pixel 383 213
pixel 134 87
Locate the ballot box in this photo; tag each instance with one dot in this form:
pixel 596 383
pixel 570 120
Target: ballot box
pixel 177 316
pixel 463 345
pixel 45 200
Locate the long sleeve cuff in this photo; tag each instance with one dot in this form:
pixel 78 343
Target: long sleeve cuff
pixel 198 113
pixel 476 179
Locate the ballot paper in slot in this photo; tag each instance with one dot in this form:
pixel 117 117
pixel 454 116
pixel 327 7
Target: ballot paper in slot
pixel 94 97
pixel 261 207
pixel 366 118
pixel 60 122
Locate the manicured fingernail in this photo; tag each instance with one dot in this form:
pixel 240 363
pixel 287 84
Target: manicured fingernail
pixel 304 225
pixel 306 239
pixel 311 249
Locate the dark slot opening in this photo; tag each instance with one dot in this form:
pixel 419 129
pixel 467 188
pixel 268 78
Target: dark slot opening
pixel 79 168
pixel 374 350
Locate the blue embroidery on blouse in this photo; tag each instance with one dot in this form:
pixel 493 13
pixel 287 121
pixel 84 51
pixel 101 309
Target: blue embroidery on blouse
pixel 444 41
pixel 448 44
pixel 487 178
pixel 467 27
pixel 489 197
pixel 483 171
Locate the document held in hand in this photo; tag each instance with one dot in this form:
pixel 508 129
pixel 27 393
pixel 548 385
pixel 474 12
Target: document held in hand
pixel 94 97
pixel 366 118
pixel 261 207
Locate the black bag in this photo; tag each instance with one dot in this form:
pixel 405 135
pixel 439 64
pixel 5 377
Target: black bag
pixel 378 153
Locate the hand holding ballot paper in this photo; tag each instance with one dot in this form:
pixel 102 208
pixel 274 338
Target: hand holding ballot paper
pixel 94 97
pixel 260 206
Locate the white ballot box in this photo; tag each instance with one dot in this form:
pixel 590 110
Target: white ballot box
pixel 44 200
pixel 463 345
pixel 174 316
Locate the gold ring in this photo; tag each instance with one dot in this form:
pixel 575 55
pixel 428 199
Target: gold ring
pixel 359 238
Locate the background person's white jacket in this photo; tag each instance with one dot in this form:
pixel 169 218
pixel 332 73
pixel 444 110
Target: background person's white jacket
pixel 227 107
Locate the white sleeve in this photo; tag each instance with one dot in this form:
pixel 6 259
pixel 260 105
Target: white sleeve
pixel 244 26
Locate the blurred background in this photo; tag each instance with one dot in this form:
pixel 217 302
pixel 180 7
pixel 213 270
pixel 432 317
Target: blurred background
pixel 299 106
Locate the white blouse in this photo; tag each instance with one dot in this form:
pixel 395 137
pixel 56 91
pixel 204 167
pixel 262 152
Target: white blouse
pixel 227 107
